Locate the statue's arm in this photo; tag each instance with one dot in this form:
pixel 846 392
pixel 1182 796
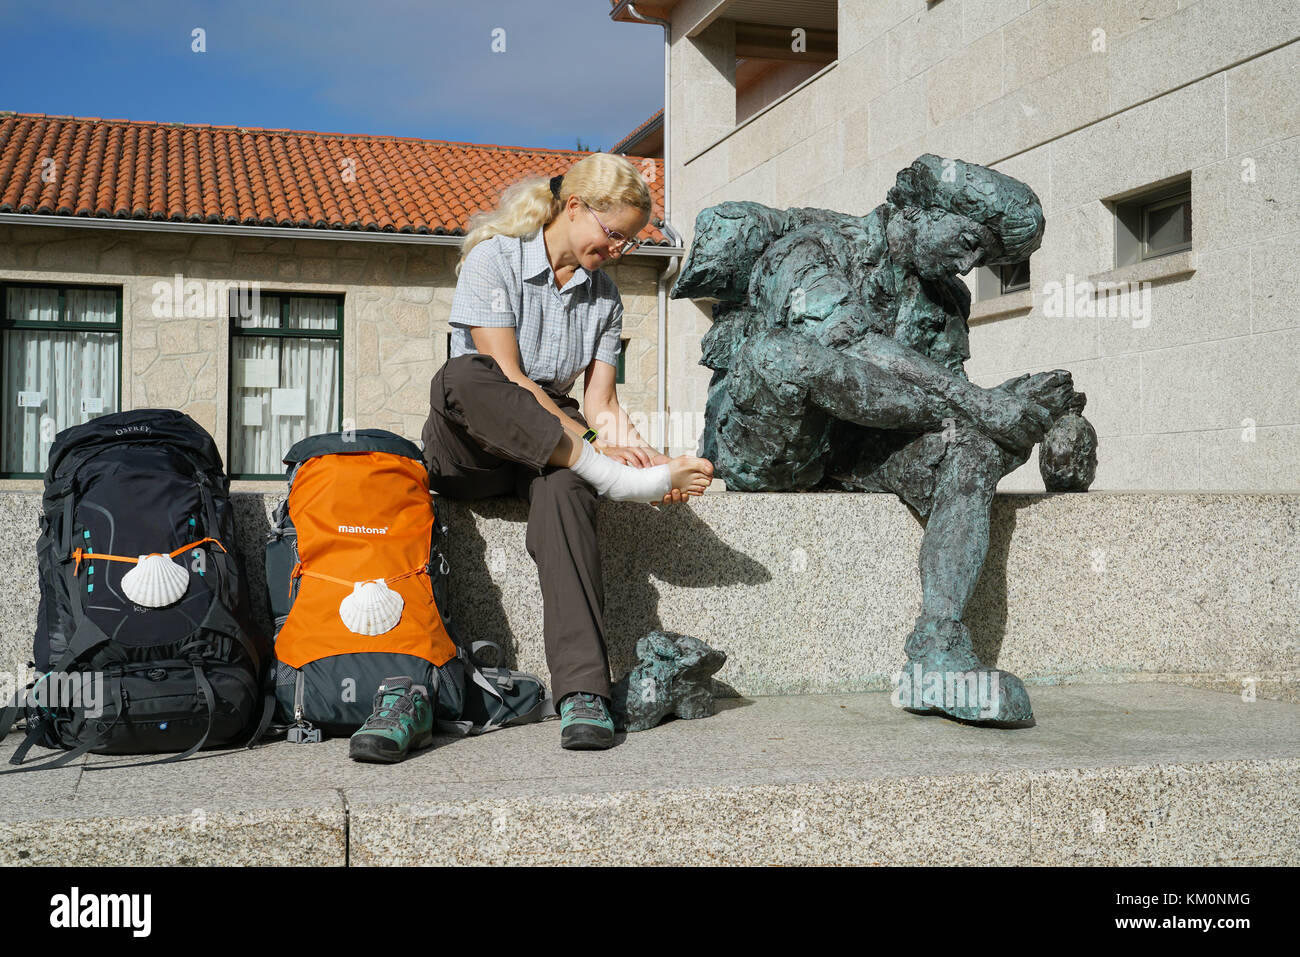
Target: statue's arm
pixel 881 383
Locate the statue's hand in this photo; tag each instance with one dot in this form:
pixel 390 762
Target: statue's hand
pixel 1015 422
pixel 1011 385
pixel 1053 390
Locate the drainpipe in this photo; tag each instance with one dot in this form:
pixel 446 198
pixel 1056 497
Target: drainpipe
pixel 660 439
pixel 665 277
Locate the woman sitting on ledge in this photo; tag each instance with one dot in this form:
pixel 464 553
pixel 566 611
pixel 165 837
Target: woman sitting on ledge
pixel 532 310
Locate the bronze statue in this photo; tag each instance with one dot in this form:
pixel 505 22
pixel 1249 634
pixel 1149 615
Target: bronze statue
pixel 838 345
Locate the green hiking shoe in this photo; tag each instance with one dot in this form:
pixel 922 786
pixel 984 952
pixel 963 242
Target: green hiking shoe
pixel 402 721
pixel 585 724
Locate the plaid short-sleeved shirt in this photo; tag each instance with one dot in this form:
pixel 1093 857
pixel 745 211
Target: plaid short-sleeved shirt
pixel 508 281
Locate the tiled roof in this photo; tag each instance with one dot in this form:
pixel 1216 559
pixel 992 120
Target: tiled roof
pixel 231 175
pixel 657 116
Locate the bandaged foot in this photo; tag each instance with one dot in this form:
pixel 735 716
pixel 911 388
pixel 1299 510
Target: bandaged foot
pixel 624 483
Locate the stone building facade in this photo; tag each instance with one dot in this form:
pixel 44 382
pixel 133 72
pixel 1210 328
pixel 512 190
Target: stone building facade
pixel 396 297
pixel 1096 104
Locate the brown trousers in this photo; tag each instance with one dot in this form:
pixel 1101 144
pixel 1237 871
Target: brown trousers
pixel 487 436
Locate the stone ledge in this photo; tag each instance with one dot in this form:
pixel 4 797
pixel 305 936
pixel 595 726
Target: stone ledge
pixel 814 593
pixel 1124 774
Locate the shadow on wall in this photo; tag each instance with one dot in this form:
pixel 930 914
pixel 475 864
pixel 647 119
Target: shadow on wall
pixel 986 614
pixel 636 542
pixel 638 546
pixel 252 525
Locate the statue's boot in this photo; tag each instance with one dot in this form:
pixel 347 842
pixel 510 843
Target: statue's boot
pixel 943 674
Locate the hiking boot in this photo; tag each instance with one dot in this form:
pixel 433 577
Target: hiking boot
pixel 585 724
pixel 402 721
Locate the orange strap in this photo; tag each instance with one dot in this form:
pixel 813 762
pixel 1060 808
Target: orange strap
pixel 298 571
pixel 79 553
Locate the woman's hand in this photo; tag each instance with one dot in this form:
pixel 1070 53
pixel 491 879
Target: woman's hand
pixel 639 458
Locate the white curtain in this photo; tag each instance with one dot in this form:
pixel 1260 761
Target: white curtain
pixel 58 371
pixel 306 372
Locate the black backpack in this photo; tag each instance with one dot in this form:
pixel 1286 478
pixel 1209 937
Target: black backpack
pixel 114 676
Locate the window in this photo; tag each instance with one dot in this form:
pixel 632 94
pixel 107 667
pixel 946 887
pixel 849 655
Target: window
pixel 622 356
pixel 1167 226
pixel 286 371
pixel 994 281
pixel 60 365
pixel 1154 223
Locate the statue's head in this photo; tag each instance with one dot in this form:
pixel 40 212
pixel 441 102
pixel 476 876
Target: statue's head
pixel 935 243
pixel 951 216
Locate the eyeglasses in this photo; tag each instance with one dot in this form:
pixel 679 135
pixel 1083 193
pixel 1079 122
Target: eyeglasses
pixel 625 245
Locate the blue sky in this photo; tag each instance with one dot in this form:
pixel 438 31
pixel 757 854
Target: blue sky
pixel 421 68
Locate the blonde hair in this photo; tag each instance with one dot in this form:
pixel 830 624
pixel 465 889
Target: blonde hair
pixel 602 180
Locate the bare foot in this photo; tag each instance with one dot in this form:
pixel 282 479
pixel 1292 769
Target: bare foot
pixel 690 475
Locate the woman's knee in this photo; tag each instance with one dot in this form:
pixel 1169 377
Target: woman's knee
pixel 467 368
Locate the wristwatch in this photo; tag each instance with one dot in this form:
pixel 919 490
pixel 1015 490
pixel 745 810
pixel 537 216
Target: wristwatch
pixel 590 435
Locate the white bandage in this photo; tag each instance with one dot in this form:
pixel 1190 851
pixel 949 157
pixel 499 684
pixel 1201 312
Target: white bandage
pixel 622 483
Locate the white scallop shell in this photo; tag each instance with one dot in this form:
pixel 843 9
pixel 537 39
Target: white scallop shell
pixel 155 581
pixel 372 609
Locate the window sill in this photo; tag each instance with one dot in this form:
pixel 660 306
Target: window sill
pixel 257 485
pixel 1004 305
pixel 1160 269
pixel 22 485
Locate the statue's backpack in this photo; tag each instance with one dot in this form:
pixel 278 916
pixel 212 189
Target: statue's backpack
pixel 144 641
pixel 357 583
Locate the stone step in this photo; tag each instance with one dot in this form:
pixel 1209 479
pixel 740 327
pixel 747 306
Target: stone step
pixel 1110 774
pixel 814 593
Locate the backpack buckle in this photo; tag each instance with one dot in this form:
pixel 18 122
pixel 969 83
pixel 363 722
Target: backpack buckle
pixel 299 734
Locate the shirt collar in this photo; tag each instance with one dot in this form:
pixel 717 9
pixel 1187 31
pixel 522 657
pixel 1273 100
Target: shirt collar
pixel 536 263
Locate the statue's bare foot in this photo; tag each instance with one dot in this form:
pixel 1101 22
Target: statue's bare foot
pixel 943 675
pixel 690 474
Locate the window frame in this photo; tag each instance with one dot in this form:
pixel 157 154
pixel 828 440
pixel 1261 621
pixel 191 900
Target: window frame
pixel 1146 211
pixel 238 332
pixel 61 325
pixel 1131 215
pixel 990 281
pixel 1001 272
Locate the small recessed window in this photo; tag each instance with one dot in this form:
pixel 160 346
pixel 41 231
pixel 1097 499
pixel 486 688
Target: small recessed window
pixel 1013 277
pixel 994 281
pixel 1157 222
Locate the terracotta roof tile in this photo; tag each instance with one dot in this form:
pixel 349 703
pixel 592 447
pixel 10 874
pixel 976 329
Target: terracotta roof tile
pixel 133 169
pixel 641 127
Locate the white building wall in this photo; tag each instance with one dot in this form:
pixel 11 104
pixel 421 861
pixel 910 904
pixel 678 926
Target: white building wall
pixel 1084 100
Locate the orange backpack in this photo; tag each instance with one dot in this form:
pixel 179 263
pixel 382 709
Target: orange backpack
pixel 356 581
